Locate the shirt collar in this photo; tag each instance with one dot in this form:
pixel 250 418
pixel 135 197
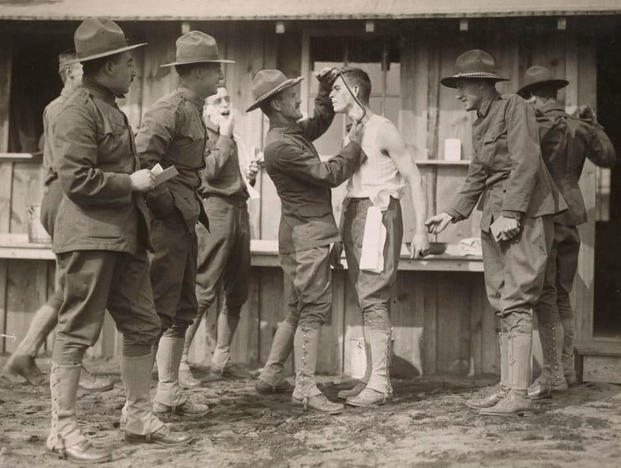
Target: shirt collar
pixel 99 91
pixel 552 105
pixel 286 127
pixel 212 126
pixel 487 103
pixel 192 97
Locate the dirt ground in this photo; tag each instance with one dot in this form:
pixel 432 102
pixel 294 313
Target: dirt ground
pixel 427 425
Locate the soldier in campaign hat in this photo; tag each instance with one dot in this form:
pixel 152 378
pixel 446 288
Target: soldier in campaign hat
pixel 22 361
pixel 508 179
pixel 307 226
pixel 173 134
pixel 100 239
pixel 566 141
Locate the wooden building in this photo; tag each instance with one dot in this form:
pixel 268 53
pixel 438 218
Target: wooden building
pixel 442 321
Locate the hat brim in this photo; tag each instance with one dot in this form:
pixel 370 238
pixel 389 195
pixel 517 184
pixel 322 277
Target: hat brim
pixel 451 81
pixel 281 87
pixel 110 52
pixel 556 83
pixel 188 62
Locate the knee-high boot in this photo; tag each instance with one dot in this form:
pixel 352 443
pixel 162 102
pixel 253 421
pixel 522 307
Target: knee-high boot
pixel 551 378
pixel 503 386
pixel 271 379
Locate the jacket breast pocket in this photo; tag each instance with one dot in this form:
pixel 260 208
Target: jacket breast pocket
pixel 112 141
pixel 494 148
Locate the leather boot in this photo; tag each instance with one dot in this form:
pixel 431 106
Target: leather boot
pixel 352 392
pixel 22 361
pixel 271 379
pixel 140 424
pixel 378 389
pixel 306 393
pixel 65 437
pixel 93 384
pixel 551 378
pixel 519 346
pixel 502 389
pixel 186 378
pixel 567 351
pixel 169 400
pixel 221 366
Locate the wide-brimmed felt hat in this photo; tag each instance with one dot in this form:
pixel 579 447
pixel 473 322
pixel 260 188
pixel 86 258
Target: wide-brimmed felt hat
pixel 537 76
pixel 267 83
pixel 99 37
pixel 474 63
pixel 196 47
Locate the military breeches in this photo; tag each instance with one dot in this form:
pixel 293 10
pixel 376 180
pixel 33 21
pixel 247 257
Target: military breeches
pixel 554 304
pixel 173 274
pixel 223 255
pixel 515 272
pixel 374 290
pixel 94 280
pixel 309 297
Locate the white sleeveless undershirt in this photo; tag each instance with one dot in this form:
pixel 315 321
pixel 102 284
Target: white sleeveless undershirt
pixel 378 173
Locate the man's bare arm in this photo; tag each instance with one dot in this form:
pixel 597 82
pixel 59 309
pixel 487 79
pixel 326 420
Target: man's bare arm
pixel 392 143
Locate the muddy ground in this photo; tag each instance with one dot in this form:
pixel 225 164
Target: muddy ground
pixel 427 425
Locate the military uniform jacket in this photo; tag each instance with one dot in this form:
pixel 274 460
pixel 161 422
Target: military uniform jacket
pixel 565 143
pixel 222 175
pixel 304 182
pixel 95 155
pixel 173 133
pixel 506 175
pixel 50 113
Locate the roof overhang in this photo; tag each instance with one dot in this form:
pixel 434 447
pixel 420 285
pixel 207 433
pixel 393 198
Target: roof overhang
pixel 239 10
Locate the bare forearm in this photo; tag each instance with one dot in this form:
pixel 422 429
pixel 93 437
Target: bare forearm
pixel 419 200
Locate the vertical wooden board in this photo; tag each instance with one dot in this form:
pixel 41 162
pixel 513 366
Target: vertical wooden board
pixel 433 96
pixel 407 319
pixel 27 190
pixel 245 345
pixel 453 120
pixel 6 182
pixel 490 358
pixel 414 95
pixel 330 359
pixel 476 324
pixel 3 305
pixel 571 71
pixel 352 325
pixel 157 81
pixel 504 47
pixel 6 60
pixel 453 323
pixel 270 208
pixel 449 181
pixel 583 283
pixel 430 332
pixel 25 293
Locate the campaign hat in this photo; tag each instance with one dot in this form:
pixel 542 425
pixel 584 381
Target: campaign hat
pixel 267 83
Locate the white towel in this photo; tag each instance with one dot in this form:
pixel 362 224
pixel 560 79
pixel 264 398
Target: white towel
pixel 374 236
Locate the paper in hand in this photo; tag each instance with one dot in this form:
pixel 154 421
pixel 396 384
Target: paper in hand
pixel 495 228
pixel 162 175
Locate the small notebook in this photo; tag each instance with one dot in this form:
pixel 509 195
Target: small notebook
pixel 162 175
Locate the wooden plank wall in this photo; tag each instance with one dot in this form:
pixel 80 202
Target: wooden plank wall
pixel 433 331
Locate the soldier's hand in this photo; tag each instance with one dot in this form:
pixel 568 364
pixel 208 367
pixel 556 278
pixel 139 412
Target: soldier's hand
pixel 508 228
pixel 420 245
pixel 335 255
pixel 252 170
pixel 436 224
pixel 227 124
pixel 142 180
pixel 327 75
pixel 356 132
pixel 586 113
